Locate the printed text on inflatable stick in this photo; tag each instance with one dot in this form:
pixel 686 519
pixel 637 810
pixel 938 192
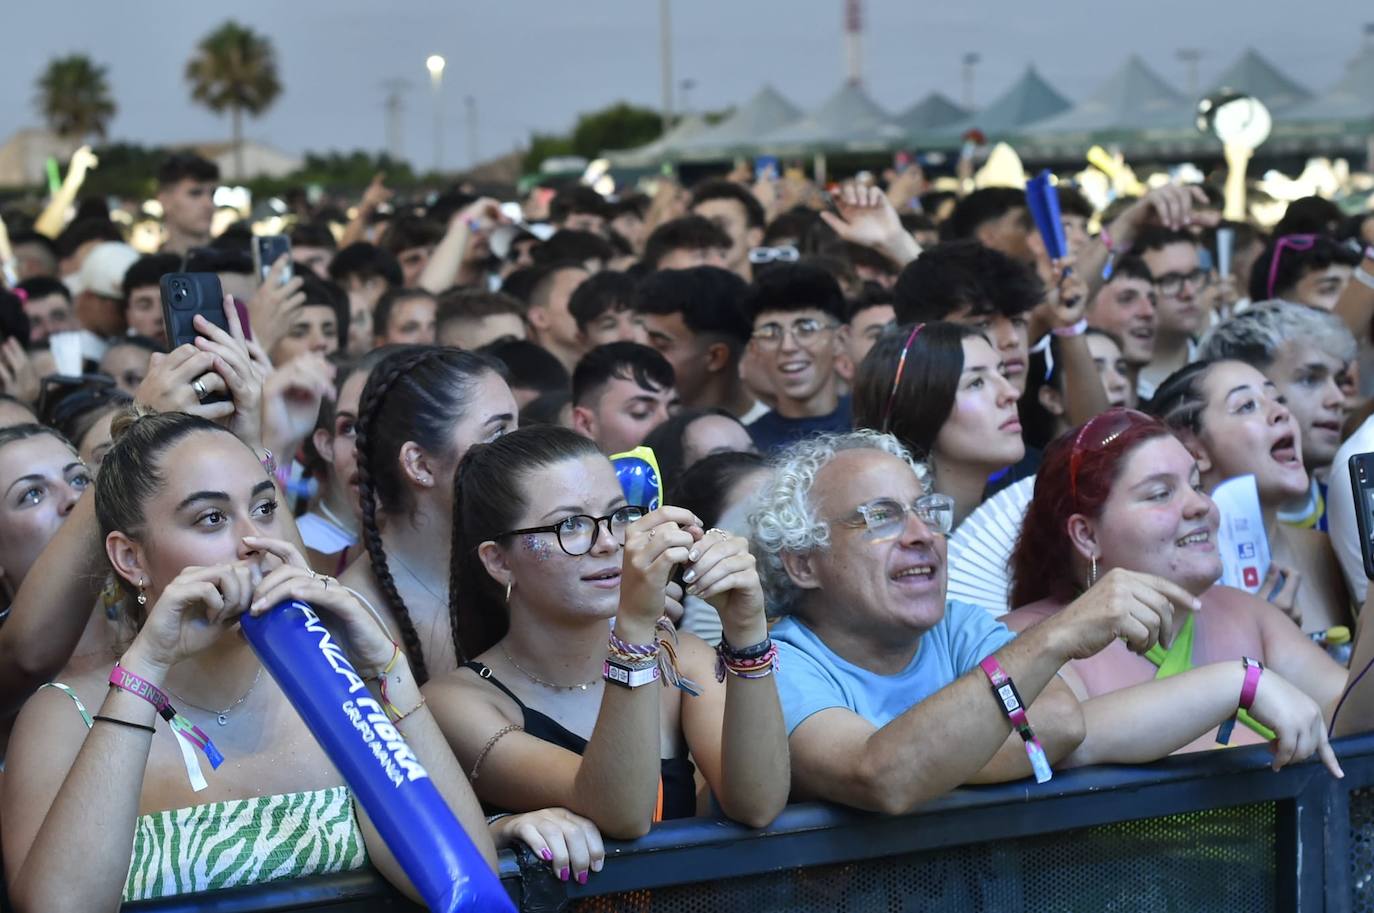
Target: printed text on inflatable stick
pixel 387 746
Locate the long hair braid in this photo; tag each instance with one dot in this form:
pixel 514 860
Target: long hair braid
pixel 374 398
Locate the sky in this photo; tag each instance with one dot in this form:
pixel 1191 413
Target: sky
pixel 532 65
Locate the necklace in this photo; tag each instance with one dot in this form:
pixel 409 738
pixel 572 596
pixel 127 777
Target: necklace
pixel 221 716
pixel 442 600
pixel 334 518
pixel 580 686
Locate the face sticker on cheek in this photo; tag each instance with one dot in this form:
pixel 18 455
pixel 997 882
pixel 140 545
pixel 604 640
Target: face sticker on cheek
pixel 538 547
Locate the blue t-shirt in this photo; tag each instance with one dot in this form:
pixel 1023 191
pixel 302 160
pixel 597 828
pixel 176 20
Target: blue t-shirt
pixel 811 678
pixel 771 431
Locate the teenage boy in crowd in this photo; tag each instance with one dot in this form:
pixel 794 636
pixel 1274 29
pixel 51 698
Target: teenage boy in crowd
pixel 602 308
pixel 365 271
pixel 313 246
pixel 186 191
pixel 405 316
pixel 471 318
pixel 868 315
pixel 143 295
pixel 551 289
pixel 686 242
pixel 1181 313
pixel 735 211
pixel 621 392
pixel 796 311
pixel 1125 307
pixel 695 319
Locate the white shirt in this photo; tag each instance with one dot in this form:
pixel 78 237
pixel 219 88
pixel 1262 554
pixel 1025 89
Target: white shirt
pixel 1340 511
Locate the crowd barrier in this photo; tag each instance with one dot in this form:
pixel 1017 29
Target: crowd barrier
pixel 1213 831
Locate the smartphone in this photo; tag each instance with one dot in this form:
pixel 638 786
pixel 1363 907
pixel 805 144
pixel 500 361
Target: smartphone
pixel 267 249
pixel 184 295
pixel 1362 481
pixel 766 168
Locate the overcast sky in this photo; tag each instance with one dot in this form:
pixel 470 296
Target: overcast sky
pixel 534 65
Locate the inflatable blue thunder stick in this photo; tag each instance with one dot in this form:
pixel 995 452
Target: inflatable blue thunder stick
pixel 639 478
pixel 381 770
pixel 1042 198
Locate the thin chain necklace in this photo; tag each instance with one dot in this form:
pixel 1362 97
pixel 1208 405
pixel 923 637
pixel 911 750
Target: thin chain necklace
pixel 442 600
pixel 334 518
pixel 580 686
pixel 221 716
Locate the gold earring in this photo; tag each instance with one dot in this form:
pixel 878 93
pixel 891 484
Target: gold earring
pixel 142 596
pixel 510 584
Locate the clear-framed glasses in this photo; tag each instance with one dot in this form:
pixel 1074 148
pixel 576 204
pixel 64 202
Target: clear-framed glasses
pixel 1172 283
pixel 885 518
pixel 806 331
pixel 783 253
pixel 577 534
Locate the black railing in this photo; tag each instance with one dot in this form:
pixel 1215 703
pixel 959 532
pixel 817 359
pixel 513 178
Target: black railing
pixel 1212 831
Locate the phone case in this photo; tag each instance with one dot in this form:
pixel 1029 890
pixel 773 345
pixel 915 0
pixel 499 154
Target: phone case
pixel 184 295
pixel 266 251
pixel 1362 483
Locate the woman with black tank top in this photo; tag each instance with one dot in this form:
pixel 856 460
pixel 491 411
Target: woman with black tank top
pixel 548 710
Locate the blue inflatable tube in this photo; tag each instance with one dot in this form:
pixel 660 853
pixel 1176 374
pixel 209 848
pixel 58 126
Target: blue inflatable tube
pixel 385 776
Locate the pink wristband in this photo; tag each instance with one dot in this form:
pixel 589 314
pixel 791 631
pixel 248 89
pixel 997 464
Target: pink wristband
pixel 125 680
pixel 1253 670
pixel 1015 710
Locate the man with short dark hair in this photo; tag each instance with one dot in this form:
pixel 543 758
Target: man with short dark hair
pixel 531 371
pixel 569 245
pixel 1125 307
pixel 48 305
pixel 684 243
pixel 621 392
pixel 550 293
pixel 867 316
pixel 796 311
pixel 186 191
pixel 602 308
pixel 143 295
pixel 313 245
pixel 996 217
pixel 319 324
pixel 34 255
pixel 695 318
pixel 738 213
pixel 472 318
pixel 411 239
pixel 1180 313
pixel 364 271
pixel 579 208
pixel 405 316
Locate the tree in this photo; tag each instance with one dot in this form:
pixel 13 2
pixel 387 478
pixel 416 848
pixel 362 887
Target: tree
pixel 235 70
pixel 619 126
pixel 74 98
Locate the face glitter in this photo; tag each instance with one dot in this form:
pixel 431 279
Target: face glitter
pixel 538 546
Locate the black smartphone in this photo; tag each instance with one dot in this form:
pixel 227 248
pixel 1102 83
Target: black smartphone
pixel 1362 481
pixel 184 295
pixel 267 249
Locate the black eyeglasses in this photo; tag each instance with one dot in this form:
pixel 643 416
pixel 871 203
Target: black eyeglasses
pixel 1172 283
pixel 577 534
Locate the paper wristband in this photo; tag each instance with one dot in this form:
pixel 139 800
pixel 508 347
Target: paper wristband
pixel 1015 709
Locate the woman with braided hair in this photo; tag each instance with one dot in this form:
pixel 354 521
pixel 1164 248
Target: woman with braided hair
pixel 422 408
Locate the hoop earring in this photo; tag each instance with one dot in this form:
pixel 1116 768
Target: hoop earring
pixel 510 584
pixel 142 596
pixel 1092 572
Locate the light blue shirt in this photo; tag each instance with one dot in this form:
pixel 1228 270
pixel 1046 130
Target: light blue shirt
pixel 811 678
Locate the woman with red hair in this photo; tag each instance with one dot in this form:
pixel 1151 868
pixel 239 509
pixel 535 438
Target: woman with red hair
pixel 1121 497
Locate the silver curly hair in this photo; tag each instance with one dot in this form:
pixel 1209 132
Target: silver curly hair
pixel 785 518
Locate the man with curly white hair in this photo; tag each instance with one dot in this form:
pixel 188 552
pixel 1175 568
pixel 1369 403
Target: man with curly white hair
pixel 885 688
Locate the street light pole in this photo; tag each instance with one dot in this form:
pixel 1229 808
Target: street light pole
pixel 470 105
pixel 435 64
pixel 970 60
pixel 665 55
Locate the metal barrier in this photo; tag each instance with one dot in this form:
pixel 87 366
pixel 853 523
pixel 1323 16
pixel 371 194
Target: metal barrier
pixel 1212 831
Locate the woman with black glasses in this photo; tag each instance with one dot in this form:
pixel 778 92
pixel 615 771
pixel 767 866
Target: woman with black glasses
pixel 554 706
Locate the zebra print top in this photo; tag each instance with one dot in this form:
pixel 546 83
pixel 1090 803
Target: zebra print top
pixel 242 841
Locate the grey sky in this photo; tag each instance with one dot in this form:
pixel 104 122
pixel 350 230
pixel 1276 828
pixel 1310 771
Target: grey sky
pixel 534 65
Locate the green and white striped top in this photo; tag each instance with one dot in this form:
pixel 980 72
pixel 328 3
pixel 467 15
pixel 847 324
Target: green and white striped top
pixel 242 841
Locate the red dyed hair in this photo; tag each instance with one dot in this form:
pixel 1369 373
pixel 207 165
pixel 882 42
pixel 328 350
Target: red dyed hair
pixel 1042 564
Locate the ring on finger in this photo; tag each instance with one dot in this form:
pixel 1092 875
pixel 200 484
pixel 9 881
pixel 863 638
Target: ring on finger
pixel 199 388
pixel 651 533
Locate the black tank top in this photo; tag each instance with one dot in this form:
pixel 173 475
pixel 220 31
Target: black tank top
pixel 679 780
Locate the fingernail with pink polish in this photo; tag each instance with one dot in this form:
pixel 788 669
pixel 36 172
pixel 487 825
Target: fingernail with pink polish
pixel 563 874
pixel 581 877
pixel 546 854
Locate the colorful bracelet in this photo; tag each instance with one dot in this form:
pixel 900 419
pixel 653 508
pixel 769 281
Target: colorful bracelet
pixel 190 735
pixel 1253 670
pixel 1015 709
pixel 391 710
pixel 757 661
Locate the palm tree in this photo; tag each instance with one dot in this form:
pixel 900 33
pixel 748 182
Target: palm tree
pixel 234 69
pixel 74 98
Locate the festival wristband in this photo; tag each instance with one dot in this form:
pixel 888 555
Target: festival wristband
pixel 1077 329
pixel 1015 709
pixel 1253 670
pixel 190 736
pixel 628 676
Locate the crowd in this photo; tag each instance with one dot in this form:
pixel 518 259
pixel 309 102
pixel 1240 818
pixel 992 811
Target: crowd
pixel 407 422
